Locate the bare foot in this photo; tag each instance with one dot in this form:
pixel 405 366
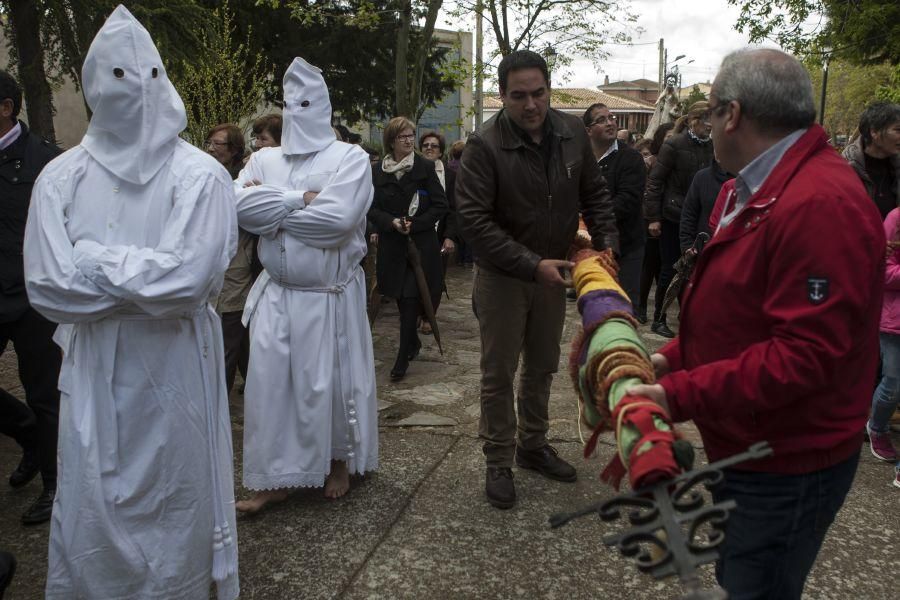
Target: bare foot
pixel 260 500
pixel 338 481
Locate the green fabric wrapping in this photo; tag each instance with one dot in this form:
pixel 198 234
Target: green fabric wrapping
pixel 614 334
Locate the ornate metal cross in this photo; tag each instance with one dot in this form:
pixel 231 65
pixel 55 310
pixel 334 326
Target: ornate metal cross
pixel 679 531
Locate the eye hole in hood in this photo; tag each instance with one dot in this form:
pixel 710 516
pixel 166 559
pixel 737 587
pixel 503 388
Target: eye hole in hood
pixel 136 118
pixel 307 110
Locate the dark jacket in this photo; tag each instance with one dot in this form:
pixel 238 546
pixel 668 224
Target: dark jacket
pixel 20 164
pixel 447 226
pixel 678 161
pixel 391 201
pixel 514 212
pixel 626 174
pixel 699 202
pixel 855 155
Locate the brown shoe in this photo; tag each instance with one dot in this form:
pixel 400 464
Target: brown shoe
pixel 547 462
pixel 499 487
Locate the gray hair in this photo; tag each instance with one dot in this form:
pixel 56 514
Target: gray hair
pixel 772 87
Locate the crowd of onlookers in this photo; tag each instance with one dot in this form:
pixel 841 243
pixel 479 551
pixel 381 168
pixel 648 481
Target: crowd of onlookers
pixel 662 204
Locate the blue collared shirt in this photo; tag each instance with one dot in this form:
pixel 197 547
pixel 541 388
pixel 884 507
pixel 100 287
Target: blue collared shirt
pixel 754 175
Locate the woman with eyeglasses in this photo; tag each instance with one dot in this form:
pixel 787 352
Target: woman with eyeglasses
pixel 432 146
pixel 225 143
pixel 409 201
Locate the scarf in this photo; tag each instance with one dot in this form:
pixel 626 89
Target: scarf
pixel 399 169
pixel 696 138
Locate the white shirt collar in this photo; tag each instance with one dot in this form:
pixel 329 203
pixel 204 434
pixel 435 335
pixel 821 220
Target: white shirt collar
pixel 612 148
pixel 11 136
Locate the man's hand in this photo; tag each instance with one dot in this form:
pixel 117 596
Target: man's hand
pixel 448 246
pixel 654 229
pixel 548 273
pixel 401 225
pixel 308 197
pixel 252 182
pixel 655 392
pixel 660 364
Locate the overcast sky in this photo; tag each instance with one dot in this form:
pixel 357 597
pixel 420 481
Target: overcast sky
pixel 702 30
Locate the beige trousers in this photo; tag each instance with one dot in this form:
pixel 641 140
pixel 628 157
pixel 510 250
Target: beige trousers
pixel 515 318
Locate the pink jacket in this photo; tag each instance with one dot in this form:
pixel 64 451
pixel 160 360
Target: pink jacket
pixel 890 309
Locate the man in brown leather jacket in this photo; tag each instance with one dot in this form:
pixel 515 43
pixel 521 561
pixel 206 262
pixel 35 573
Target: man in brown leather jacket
pixel 524 179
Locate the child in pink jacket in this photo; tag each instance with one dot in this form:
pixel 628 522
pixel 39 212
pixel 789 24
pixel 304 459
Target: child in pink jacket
pixel 884 401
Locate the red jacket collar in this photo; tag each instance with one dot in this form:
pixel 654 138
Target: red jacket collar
pixel 809 143
pixel 757 209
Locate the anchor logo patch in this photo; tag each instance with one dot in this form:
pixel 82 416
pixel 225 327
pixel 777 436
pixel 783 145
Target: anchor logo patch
pixel 817 289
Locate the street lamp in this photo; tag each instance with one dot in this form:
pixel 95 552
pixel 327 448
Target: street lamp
pixel 550 57
pixel 826 51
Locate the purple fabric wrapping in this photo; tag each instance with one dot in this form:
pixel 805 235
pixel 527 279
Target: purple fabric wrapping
pixel 595 307
pixel 597 304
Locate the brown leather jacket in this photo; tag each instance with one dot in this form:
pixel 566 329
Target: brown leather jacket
pixel 514 212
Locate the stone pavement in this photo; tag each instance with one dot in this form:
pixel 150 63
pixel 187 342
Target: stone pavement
pixel 420 527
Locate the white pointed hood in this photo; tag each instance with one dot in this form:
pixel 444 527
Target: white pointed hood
pixel 307 110
pixel 137 114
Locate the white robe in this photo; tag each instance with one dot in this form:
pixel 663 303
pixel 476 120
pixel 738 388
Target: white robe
pixel 144 431
pixel 310 393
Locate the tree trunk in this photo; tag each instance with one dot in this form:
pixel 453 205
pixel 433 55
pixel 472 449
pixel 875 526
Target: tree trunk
pixel 401 63
pixel 415 87
pixel 24 17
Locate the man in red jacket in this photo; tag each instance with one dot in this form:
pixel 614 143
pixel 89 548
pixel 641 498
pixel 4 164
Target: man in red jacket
pixel 779 325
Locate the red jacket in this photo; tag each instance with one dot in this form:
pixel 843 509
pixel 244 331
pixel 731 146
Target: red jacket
pixel 779 323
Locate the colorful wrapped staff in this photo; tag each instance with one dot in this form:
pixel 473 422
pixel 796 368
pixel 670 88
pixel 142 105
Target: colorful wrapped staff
pixel 607 358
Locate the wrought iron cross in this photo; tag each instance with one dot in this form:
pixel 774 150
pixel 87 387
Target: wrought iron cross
pixel 667 517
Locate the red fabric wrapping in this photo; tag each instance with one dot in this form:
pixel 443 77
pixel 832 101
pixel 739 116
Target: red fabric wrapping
pixel 650 465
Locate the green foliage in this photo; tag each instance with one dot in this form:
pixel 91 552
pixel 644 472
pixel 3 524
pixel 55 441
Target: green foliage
pixel 891 91
pixel 861 32
pixel 850 89
pixel 695 95
pixel 224 83
pixel 69 27
pixel 354 43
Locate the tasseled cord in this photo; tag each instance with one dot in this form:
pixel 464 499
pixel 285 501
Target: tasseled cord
pixel 224 563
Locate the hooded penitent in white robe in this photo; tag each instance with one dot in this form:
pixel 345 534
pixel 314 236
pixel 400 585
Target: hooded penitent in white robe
pixel 127 239
pixel 310 393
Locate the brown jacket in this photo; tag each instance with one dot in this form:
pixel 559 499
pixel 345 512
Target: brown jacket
pixel 514 212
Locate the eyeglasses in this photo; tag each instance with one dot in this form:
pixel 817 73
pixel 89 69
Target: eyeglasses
pixel 215 144
pixel 429 145
pixel 406 137
pixel 603 120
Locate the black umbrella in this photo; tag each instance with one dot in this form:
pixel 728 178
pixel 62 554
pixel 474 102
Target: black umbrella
pixel 415 261
pixel 683 268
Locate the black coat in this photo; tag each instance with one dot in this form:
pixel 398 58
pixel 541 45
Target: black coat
pixel 392 199
pixel 447 226
pixel 678 161
pixel 626 174
pixel 699 202
pixel 20 164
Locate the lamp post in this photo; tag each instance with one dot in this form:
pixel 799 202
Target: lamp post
pixel 826 52
pixel 550 57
